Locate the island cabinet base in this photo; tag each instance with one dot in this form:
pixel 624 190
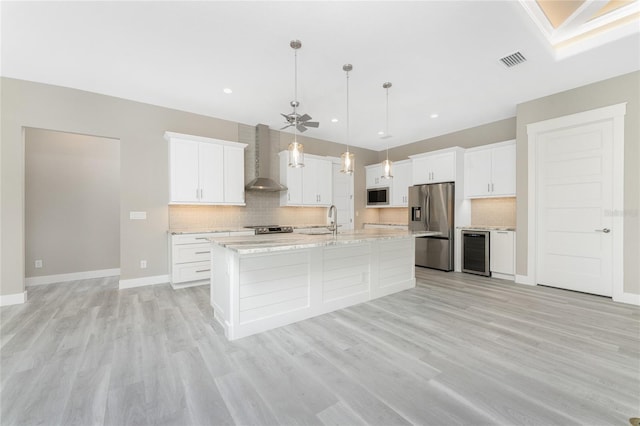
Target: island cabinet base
pixel 255 292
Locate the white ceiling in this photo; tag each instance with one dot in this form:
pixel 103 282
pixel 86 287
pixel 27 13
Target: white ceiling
pixel 442 57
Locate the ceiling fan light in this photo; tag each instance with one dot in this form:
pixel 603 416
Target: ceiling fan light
pixel 296 154
pixel 347 162
pixel 386 169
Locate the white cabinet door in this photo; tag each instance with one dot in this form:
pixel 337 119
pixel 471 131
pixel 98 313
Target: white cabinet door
pixel 211 165
pixel 502 252
pixel 184 171
pixel 443 167
pixel 291 177
pixel 309 182
pixel 477 173
pixel 401 183
pixel 503 166
pixel 233 175
pixel 420 171
pixel 374 176
pixel 324 181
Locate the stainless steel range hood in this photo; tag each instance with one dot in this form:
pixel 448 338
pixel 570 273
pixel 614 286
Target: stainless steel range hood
pixel 262 181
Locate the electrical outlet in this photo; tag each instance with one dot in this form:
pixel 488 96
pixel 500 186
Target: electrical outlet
pixel 143 264
pixel 38 263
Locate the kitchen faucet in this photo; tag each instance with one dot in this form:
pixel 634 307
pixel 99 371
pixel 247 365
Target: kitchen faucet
pixel 333 227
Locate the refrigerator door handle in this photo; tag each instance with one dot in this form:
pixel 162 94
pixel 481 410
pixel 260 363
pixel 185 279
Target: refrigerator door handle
pixel 428 213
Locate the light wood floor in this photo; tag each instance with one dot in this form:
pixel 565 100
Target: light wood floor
pixel 458 349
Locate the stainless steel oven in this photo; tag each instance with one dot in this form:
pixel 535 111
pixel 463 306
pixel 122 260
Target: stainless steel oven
pixel 475 252
pixel 378 196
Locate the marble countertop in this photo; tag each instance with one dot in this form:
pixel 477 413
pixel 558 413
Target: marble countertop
pixel 385 224
pixel 278 242
pixel 487 228
pixel 234 229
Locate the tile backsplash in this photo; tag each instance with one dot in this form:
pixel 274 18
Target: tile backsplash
pixel 394 215
pixel 263 208
pixel 493 211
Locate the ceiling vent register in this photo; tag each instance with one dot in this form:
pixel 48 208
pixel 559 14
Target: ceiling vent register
pixel 513 59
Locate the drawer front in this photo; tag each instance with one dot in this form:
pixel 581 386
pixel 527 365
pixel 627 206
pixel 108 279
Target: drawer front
pixel 191 272
pixel 191 253
pixel 196 238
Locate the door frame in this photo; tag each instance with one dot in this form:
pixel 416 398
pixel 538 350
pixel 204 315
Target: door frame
pixel 615 114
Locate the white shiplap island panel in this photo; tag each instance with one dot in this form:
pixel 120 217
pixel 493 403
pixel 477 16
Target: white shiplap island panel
pixel 267 281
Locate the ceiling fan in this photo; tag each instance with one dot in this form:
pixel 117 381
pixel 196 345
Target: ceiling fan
pixel 300 122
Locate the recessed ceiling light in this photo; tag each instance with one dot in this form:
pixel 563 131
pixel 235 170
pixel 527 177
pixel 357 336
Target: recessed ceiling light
pixel 334 120
pixel 227 90
pixel 381 132
pixel 434 115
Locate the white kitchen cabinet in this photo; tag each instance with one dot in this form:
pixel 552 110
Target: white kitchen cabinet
pixel 373 176
pixel 190 257
pixel 401 183
pixel 502 254
pixel 205 171
pixel 436 166
pixel 490 171
pixel 307 186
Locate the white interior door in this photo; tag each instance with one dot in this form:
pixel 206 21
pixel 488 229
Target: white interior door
pixel 573 209
pixel 342 193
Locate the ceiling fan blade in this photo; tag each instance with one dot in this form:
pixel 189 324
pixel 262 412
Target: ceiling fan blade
pixel 288 125
pixel 312 124
pixel 301 128
pixel 305 117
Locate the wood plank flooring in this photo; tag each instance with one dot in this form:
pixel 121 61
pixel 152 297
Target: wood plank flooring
pixel 457 349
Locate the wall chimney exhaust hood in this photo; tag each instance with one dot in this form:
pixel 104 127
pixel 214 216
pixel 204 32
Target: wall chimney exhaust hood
pixel 262 181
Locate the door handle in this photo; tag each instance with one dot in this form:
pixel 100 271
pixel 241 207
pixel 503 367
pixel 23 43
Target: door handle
pixel 604 230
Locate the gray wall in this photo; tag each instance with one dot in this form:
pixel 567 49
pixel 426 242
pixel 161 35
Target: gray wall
pixel 72 202
pixel 143 166
pixel 625 88
pixel 497 131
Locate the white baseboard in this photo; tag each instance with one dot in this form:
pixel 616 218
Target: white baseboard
pixel 507 277
pixel 629 298
pixel 524 279
pixel 73 276
pixel 13 299
pixel 141 282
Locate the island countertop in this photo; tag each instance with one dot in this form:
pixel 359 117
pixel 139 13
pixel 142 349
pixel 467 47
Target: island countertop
pixel 279 242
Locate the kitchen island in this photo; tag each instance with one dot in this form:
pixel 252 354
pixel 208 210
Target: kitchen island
pixel 267 281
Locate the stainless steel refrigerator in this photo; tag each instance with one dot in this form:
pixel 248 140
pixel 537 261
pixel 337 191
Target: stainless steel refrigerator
pixel 431 209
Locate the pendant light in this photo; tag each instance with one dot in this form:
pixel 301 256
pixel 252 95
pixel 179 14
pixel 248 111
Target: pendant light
pixel 296 150
pixel 347 159
pixel 386 164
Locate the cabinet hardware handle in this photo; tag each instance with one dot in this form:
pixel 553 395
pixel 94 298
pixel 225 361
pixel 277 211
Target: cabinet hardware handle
pixel 202 238
pixel 203 270
pixel 502 232
pixel 604 230
pixel 202 252
pixel 491 186
pixel 488 190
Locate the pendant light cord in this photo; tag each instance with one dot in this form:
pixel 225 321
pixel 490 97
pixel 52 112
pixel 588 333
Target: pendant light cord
pixel 387 124
pixel 295 95
pixel 347 111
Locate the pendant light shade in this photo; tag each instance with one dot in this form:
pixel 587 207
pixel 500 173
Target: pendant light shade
pixel 386 164
pixel 347 159
pixel 296 154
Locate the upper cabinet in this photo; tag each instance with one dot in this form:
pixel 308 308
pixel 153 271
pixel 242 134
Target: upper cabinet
pixel 490 170
pixel 306 186
pixel 205 171
pixel 436 166
pixel 373 176
pixel 401 182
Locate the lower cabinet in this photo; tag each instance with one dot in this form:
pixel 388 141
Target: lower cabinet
pixel 502 254
pixel 190 257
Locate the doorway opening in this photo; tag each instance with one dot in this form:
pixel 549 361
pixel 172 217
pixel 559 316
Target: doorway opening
pixel 72 206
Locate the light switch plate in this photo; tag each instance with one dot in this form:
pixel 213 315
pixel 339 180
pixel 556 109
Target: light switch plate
pixel 138 215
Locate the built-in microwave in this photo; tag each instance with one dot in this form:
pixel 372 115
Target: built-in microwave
pixel 378 196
